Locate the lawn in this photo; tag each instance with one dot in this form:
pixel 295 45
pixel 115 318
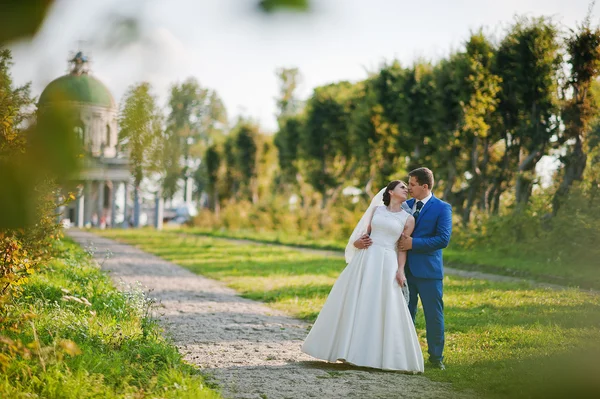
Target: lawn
pixel 71 334
pixel 502 339
pixel 529 265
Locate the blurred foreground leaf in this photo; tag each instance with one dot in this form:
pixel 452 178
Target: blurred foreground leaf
pixel 21 18
pixel 31 152
pixel 275 5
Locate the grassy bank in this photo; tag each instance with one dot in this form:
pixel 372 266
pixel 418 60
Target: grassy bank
pixel 502 340
pixel 530 265
pixel 71 334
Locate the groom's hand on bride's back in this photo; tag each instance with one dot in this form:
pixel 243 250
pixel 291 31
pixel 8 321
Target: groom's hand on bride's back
pixel 363 242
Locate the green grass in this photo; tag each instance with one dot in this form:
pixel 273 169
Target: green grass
pixel 502 339
pixel 530 265
pixel 108 348
pixel 275 237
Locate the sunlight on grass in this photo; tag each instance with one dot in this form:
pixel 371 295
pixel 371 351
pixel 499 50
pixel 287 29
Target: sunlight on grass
pixel 116 350
pixel 528 265
pixel 494 331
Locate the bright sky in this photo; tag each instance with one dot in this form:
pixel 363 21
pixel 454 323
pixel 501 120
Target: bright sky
pixel 230 47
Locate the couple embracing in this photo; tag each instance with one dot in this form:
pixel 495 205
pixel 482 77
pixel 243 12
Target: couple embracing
pixel 394 258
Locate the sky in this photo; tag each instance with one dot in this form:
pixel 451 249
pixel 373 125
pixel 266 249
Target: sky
pixel 231 47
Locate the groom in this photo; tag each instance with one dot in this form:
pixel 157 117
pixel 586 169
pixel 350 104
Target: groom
pixel 424 267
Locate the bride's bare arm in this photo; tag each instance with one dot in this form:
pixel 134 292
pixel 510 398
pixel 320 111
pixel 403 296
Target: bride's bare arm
pixel 409 226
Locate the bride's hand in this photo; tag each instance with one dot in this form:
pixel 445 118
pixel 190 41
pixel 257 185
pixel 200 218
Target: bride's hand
pixel 400 278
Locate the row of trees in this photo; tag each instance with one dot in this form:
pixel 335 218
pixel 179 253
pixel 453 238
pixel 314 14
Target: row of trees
pixel 482 119
pixel 170 147
pixel 194 144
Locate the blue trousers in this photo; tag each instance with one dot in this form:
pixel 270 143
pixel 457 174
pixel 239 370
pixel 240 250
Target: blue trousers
pixel 431 292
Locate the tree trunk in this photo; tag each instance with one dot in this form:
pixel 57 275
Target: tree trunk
pixel 216 205
pixel 484 177
pixel 574 169
pixel 452 173
pixel 524 184
pixel 136 206
pixel 474 186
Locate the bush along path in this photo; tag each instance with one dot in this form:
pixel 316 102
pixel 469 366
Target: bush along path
pixel 247 349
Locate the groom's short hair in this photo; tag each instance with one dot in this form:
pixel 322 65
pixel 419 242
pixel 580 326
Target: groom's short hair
pixel 423 176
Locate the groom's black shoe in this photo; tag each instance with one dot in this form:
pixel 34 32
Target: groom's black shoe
pixel 437 364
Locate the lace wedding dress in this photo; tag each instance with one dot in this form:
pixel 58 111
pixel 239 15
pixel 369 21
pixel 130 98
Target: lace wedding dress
pixel 365 320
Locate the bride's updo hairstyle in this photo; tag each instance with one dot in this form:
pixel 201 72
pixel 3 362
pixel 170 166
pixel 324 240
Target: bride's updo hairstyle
pixel 386 196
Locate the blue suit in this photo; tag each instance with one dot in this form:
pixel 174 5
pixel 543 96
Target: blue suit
pixel 425 269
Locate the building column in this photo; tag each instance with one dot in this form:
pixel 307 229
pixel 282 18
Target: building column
pixel 188 190
pixel 79 208
pixel 125 215
pixel 60 209
pixel 113 204
pixel 158 211
pixel 100 203
pixel 87 194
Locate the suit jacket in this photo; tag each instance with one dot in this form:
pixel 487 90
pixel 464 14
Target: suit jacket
pixel 432 233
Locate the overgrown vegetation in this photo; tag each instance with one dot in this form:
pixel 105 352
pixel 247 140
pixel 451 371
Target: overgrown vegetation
pixel 71 334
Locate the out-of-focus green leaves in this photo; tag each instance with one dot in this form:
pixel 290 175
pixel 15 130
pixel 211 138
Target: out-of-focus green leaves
pixel 31 153
pixel 276 5
pixel 54 145
pixel 21 18
pixel 17 199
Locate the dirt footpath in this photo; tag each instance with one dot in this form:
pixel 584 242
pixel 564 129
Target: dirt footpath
pixel 246 348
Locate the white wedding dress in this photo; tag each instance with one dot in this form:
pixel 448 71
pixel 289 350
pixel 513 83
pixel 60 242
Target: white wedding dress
pixel 365 320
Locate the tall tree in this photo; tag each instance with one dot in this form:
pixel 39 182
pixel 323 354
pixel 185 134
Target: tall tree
pixel 287 140
pixel 325 143
pixel 288 102
pixel 247 148
pixel 196 116
pixel 373 137
pixel 241 151
pixel 479 101
pixel 450 80
pixel 583 48
pixel 528 62
pixel 140 134
pixel 212 164
pixel 290 124
pixel 420 118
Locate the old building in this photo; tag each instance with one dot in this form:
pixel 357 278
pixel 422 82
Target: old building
pixel 105 172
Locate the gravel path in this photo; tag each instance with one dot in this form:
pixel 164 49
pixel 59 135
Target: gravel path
pixel 248 349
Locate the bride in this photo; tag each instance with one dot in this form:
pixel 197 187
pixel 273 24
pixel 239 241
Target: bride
pixel 365 320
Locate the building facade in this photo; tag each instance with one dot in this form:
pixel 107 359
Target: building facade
pixel 105 171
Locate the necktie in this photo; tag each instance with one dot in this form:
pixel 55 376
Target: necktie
pixel 419 206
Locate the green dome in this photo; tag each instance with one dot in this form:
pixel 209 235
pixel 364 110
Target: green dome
pixel 79 88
